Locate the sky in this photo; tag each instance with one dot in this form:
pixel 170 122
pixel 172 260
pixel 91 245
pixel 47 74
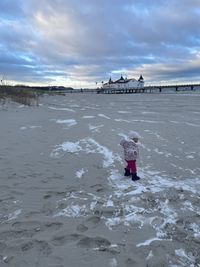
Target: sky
pixel 82 43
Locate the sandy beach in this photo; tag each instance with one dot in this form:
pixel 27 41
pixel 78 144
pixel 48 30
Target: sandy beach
pixel 64 201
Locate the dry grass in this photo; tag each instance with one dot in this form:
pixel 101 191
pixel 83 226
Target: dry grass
pixel 20 95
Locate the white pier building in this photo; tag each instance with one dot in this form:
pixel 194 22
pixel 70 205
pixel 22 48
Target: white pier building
pixel 124 83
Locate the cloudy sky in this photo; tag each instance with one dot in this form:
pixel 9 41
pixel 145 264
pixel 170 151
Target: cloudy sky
pixel 80 42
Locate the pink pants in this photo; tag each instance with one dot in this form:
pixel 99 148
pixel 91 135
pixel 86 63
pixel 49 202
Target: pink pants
pixel 131 165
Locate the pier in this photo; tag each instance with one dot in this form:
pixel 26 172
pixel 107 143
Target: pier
pixel 151 89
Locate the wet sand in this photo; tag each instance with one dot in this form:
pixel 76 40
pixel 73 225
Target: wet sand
pixel 64 199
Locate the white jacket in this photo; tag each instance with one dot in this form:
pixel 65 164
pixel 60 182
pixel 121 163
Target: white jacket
pixel 131 149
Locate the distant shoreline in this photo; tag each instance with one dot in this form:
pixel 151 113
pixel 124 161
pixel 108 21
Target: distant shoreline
pixel 29 95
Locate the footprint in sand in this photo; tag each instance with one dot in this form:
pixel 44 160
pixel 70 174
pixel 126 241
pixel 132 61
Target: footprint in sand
pixel 50 194
pixel 91 222
pixel 98 187
pixel 15 234
pixel 62 239
pixel 41 246
pixel 98 243
pixel 82 228
pixel 26 225
pixel 93 242
pixel 130 263
pixel 35 227
pixel 2 246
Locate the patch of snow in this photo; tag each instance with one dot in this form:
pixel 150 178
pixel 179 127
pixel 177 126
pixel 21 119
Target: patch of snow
pixel 70 122
pixel 187 259
pixel 88 117
pixel 150 255
pixel 148 242
pixel 95 128
pixel 196 230
pixel 72 211
pixel 80 173
pixel 30 127
pixel 104 116
pixel 113 262
pixel 124 112
pixel 64 109
pixel 121 120
pixel 14 215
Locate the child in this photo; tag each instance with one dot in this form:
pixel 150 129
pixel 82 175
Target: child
pixel 131 153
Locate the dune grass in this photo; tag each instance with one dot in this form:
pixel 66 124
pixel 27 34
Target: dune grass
pixel 21 95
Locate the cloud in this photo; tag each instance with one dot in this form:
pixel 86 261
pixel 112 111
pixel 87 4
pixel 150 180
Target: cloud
pixel 73 40
pixel 10 8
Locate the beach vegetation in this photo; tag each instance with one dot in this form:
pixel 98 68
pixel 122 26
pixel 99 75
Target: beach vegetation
pixel 25 95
